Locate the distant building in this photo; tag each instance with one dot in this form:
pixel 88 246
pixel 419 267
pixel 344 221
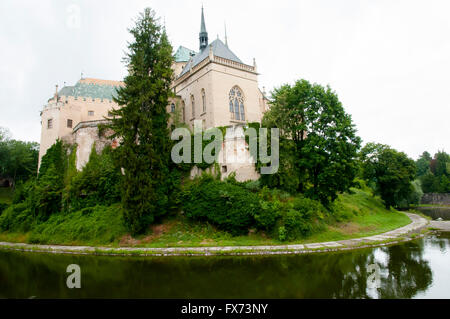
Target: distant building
pixel 212 85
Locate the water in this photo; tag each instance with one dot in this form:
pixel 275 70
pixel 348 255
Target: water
pixel 417 269
pixel 436 212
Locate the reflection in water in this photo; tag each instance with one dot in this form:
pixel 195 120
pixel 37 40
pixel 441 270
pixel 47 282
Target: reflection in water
pixel 404 270
pixel 436 212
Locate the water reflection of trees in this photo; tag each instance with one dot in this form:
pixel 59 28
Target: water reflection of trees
pixel 408 272
pixel 326 275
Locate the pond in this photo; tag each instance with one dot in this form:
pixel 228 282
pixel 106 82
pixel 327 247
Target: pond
pixel 417 269
pixel 436 212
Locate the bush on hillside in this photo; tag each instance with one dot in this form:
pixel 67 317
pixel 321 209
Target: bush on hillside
pixel 3 207
pixel 226 205
pixel 299 216
pixel 99 224
pixel 17 218
pixel 97 184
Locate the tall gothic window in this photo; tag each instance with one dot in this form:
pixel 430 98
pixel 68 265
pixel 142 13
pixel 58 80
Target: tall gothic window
pixel 183 108
pixel 204 100
pixel 193 106
pixel 172 108
pixel 236 104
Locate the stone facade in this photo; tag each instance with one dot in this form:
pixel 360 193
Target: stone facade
pixel 89 100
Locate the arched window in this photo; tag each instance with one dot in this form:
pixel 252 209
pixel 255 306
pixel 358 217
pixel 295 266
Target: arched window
pixel 193 106
pixel 204 100
pixel 236 103
pixel 172 108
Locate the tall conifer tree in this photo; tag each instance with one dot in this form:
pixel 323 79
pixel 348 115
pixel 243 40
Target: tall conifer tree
pixel 141 123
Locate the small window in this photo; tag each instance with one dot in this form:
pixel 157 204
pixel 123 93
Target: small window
pixel 90 113
pixel 203 100
pixel 69 123
pixel 224 169
pixel 172 108
pixel 50 123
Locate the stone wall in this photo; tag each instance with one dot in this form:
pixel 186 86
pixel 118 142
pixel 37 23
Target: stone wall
pixel 436 199
pixel 234 156
pixel 85 135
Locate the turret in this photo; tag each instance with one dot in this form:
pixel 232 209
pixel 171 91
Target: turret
pixel 203 35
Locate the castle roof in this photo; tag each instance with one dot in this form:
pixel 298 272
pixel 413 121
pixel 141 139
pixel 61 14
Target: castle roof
pixel 92 88
pixel 183 54
pixel 219 49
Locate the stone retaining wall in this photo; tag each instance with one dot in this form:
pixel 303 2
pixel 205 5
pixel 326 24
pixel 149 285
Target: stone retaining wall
pixel 436 199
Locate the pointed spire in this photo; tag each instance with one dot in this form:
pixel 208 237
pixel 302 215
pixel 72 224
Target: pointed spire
pixel 56 93
pixel 203 35
pixel 226 38
pixel 202 25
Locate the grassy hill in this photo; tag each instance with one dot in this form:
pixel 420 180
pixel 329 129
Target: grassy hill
pixel 355 215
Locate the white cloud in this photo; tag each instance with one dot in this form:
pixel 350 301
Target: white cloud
pixel 388 60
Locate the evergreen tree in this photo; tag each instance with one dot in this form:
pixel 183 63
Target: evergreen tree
pixel 141 124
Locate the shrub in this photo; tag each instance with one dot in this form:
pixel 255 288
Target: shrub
pixel 97 184
pixel 99 224
pixel 268 215
pixel 282 235
pixel 253 185
pixel 299 215
pixel 296 224
pixel 3 207
pixel 226 205
pixel 17 218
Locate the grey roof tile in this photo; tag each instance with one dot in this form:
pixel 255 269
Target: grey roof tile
pixel 219 49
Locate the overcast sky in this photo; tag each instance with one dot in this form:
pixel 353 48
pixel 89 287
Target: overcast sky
pixel 388 61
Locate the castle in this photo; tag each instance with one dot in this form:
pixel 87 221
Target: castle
pixel 212 86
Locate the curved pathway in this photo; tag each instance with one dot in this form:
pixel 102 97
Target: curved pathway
pixel 392 237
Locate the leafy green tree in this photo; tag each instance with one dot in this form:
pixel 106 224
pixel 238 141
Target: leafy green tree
pixel 423 164
pixel 444 186
pixel 141 124
pixel 318 140
pixel 430 183
pixel 18 159
pixel 436 178
pixel 97 184
pixel 439 164
pixel 23 160
pixel 391 171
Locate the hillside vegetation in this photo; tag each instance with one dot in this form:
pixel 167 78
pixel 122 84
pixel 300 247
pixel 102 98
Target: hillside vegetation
pixel 354 215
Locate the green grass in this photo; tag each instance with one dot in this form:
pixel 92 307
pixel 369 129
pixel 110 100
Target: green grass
pixel 359 214
pixel 355 215
pixel 99 225
pixel 6 194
